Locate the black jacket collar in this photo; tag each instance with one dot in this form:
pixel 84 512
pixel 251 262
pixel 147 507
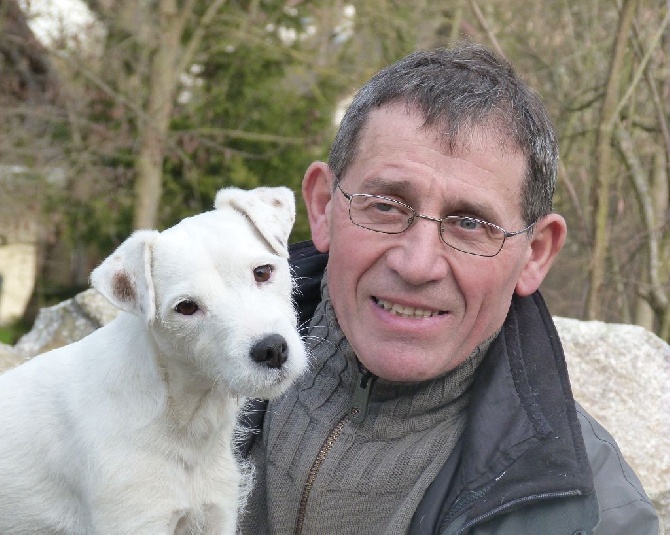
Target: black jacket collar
pixel 522 442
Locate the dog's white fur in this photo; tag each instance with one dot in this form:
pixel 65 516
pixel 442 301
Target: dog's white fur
pixel 130 430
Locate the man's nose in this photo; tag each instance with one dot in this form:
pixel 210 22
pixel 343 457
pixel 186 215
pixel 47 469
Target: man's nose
pixel 420 255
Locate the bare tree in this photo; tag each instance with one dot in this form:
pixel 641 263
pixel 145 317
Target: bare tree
pixel 162 40
pixel 173 52
pixel 603 158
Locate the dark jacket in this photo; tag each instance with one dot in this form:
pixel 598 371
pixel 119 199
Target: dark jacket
pixel 529 460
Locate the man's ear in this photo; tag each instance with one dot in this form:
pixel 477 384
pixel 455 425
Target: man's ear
pixel 548 239
pixel 317 192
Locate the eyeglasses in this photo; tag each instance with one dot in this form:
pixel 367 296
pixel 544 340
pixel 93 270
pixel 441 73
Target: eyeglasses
pixel 466 234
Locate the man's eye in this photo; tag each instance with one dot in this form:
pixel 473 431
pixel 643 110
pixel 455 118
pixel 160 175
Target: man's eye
pixel 467 223
pixel 384 206
pixel 187 307
pixel 263 273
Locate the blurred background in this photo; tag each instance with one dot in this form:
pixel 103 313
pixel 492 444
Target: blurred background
pixel 125 114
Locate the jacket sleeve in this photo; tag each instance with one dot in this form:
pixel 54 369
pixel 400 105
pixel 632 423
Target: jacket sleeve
pixel 623 504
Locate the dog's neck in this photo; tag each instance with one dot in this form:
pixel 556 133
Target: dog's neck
pixel 195 406
pixel 192 406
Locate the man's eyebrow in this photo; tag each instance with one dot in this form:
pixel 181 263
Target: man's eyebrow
pixel 380 185
pixel 479 210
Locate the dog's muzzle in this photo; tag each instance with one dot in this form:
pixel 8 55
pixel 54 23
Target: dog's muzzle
pixel 271 351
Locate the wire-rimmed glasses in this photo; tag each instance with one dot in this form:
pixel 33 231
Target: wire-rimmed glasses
pixel 390 216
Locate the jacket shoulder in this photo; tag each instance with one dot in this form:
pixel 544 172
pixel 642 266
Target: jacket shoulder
pixel 623 504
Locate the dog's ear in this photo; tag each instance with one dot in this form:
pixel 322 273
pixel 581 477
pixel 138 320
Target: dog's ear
pixel 271 210
pixel 124 277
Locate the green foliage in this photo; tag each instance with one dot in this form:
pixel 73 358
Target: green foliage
pixel 9 334
pixel 257 117
pixel 255 108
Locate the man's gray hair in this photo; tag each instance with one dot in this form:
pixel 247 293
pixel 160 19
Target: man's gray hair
pixel 459 90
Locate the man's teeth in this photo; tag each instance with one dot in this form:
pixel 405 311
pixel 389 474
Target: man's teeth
pixel 408 312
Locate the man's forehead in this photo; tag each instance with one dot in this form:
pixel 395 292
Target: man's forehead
pixel 492 133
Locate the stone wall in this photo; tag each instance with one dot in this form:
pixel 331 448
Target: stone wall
pixel 17 278
pixel 19 223
pixel 59 325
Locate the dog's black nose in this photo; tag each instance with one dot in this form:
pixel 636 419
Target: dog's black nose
pixel 271 351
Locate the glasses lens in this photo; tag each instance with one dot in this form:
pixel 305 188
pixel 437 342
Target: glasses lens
pixel 379 213
pixel 472 236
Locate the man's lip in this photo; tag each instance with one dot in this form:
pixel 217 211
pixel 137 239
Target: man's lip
pixel 405 310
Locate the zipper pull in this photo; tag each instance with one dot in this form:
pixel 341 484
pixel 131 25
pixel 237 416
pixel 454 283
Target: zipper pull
pixel 359 404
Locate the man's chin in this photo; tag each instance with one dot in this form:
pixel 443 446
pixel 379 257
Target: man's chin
pixel 404 367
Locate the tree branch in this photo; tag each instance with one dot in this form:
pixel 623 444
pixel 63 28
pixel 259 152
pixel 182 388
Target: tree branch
pixel 642 67
pixel 603 161
pixel 485 26
pixel 200 29
pixel 657 296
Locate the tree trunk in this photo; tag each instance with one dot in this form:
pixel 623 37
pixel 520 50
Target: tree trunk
pixel 155 124
pixel 169 61
pixel 604 167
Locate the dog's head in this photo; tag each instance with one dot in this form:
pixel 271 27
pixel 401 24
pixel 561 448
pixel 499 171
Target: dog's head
pixel 215 290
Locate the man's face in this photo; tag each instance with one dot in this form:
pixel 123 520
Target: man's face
pixel 382 285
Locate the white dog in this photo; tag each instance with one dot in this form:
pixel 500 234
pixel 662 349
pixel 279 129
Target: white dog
pixel 130 430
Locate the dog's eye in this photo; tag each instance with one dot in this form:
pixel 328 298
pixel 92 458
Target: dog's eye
pixel 187 308
pixel 263 273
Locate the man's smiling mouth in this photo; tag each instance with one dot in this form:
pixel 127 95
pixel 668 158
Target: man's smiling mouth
pixel 406 312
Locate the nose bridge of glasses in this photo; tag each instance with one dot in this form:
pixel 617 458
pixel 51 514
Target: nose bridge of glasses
pixel 440 227
pixel 414 216
pixel 437 220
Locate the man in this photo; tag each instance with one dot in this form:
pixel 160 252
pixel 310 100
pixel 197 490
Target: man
pixel 437 400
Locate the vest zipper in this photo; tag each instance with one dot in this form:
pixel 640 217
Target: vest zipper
pixel 359 408
pixel 314 470
pixel 359 404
